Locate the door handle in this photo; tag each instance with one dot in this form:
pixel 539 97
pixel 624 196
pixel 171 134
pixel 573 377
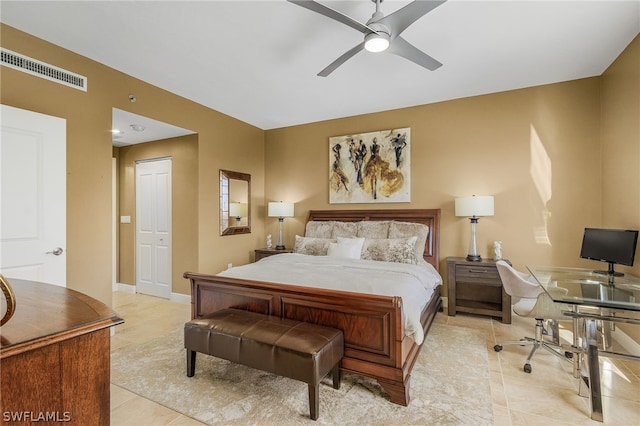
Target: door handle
pixel 56 251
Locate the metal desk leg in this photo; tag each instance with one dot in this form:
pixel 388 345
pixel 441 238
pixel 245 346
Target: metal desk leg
pixel 591 345
pixel 577 358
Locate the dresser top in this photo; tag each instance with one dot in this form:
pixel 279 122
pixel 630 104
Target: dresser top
pixel 46 313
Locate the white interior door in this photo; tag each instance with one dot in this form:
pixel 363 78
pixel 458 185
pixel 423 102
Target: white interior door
pixel 33 189
pixel 153 227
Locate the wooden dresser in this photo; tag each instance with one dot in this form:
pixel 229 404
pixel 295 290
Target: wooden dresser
pixel 55 356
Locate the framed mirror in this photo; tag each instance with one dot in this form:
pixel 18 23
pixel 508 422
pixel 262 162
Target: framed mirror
pixel 235 206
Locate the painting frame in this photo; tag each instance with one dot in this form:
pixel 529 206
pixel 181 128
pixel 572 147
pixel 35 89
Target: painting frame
pixel 371 167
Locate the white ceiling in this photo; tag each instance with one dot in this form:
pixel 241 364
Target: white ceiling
pixel 130 129
pixel 257 60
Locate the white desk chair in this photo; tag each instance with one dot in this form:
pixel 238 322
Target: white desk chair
pixel 530 300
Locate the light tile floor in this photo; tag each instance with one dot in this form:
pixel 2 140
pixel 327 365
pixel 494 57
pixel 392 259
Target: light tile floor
pixel 547 396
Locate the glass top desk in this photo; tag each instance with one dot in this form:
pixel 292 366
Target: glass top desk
pixel 592 297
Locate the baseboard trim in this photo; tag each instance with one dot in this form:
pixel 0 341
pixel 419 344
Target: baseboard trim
pixel 179 297
pixel 175 297
pixel 126 288
pixel 629 345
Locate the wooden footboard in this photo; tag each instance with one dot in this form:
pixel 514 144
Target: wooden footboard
pixel 373 327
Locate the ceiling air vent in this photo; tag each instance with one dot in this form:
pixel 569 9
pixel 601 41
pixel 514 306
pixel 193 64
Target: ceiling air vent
pixel 34 67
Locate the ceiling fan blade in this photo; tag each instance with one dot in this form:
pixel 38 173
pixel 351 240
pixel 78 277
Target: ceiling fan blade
pixel 333 14
pixel 402 47
pixel 399 20
pixel 341 60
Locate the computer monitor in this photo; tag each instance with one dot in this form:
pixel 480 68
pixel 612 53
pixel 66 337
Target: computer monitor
pixel 611 246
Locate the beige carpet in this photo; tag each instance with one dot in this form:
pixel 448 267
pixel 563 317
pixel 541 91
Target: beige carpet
pixel 449 386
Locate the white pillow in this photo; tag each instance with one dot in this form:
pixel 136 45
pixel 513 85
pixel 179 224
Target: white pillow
pixel 349 248
pixel 343 251
pixel 352 241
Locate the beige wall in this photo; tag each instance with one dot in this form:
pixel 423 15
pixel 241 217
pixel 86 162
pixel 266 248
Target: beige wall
pixel 537 151
pixel 223 142
pixel 621 150
pixel 183 152
pixel 621 143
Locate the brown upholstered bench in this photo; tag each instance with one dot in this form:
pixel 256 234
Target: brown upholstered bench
pixel 293 349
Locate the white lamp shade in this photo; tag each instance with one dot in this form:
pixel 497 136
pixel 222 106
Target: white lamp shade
pixel 238 209
pixel 476 205
pixel 280 209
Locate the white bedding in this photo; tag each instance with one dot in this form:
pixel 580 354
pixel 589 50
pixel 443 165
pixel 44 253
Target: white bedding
pixel 413 283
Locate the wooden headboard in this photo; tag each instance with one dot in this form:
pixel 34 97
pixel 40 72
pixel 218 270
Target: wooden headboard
pixel 429 217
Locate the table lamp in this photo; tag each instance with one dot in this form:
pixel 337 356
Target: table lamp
pixel 238 210
pixel 473 207
pixel 280 210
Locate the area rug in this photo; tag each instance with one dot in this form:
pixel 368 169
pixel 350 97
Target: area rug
pixel 449 386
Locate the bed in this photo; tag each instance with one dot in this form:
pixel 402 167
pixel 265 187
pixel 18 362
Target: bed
pixel 378 342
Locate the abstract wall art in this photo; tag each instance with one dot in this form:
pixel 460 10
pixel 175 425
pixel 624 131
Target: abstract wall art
pixel 370 167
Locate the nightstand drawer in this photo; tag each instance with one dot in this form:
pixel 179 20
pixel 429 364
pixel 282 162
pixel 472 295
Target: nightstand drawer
pixel 480 292
pixel 477 274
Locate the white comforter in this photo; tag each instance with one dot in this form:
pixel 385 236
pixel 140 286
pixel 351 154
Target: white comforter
pixel 413 283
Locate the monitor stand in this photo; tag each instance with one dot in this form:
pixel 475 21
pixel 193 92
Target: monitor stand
pixel 610 272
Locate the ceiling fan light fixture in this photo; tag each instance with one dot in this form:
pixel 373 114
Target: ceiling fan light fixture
pixel 379 31
pixel 376 42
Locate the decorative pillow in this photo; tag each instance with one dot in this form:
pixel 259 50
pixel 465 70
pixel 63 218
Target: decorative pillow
pixel 352 246
pixel 312 246
pixel 399 250
pixel 349 248
pixel 319 229
pixel 344 229
pixel 373 229
pixel 409 229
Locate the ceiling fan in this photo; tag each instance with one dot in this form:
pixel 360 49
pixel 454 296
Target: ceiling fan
pixel 380 32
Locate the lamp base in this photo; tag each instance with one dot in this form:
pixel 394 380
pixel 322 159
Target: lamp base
pixel 474 258
pixel 280 244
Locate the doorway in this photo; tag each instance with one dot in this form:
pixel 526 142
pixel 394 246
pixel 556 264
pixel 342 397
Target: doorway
pixel 154 140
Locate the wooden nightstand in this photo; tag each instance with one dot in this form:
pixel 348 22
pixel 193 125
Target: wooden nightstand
pixel 265 252
pixel 476 288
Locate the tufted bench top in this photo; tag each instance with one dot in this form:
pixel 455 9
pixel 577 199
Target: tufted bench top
pixel 289 348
